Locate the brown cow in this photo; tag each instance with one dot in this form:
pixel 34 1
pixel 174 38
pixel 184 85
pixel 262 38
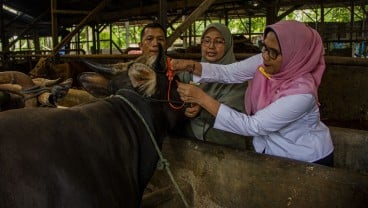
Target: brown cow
pixel 46 68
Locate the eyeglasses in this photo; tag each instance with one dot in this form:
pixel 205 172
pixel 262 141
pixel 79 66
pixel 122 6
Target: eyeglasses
pixel 217 42
pixel 271 52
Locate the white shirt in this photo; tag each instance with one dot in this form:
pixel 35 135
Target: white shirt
pixel 289 127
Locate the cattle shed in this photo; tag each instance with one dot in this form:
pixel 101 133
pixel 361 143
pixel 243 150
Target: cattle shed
pixel 212 175
pixel 25 20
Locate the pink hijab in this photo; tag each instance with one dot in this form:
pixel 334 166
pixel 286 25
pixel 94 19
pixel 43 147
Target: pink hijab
pixel 301 71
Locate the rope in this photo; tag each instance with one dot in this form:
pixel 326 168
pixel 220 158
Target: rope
pixel 150 98
pixel 162 163
pixel 170 102
pixel 170 77
pixel 35 91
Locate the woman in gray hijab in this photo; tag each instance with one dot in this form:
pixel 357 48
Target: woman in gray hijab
pixel 216 47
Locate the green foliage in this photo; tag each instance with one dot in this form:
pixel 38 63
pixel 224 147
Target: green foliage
pixel 336 14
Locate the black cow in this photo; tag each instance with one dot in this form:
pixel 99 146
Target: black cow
pixel 97 154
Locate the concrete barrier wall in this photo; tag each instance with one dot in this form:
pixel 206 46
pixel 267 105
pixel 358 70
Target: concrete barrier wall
pixel 215 176
pixel 342 93
pixel 223 177
pixel 351 149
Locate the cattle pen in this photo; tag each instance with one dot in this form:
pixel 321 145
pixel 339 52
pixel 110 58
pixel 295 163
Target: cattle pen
pixel 57 34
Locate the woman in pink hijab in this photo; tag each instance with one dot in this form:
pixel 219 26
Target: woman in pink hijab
pixel 281 99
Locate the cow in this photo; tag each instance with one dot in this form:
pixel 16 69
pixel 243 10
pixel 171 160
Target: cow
pixel 47 67
pixel 18 90
pixel 96 154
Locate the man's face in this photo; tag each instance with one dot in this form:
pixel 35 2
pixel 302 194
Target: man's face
pixel 150 40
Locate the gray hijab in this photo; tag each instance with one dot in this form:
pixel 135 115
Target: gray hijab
pixel 229 56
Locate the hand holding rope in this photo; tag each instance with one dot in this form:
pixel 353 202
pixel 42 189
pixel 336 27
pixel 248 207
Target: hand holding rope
pixel 170 77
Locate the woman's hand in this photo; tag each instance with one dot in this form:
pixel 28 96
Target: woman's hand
pixel 193 94
pixel 186 65
pixel 190 93
pixel 193 110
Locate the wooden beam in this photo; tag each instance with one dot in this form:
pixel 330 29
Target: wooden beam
pixel 290 10
pixel 191 18
pixel 163 13
pixel 151 9
pixel 13 20
pixel 98 8
pixel 60 11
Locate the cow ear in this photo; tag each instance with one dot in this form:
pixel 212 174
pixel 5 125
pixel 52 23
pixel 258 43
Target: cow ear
pixel 94 83
pixel 143 78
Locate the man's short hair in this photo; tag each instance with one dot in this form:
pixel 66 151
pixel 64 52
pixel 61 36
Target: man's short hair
pixel 153 25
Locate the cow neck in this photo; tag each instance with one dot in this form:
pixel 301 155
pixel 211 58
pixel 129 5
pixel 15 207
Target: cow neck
pixel 125 95
pixel 140 109
pixel 139 104
pixel 162 163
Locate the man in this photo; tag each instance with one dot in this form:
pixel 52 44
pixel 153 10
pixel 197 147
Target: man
pixel 151 35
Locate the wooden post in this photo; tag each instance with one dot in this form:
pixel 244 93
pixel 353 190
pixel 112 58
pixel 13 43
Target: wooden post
pixel 271 16
pixel 351 24
pixel 2 28
pixel 127 34
pixel 163 13
pixel 4 40
pixel 54 25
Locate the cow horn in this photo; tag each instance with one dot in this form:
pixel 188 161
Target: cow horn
pixel 159 64
pixel 110 69
pixel 46 99
pixel 43 82
pixel 99 68
pixel 56 93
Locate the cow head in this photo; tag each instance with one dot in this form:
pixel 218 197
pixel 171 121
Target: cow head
pixel 26 92
pixel 146 75
pixel 53 68
pixel 50 67
pixel 40 69
pixel 139 74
